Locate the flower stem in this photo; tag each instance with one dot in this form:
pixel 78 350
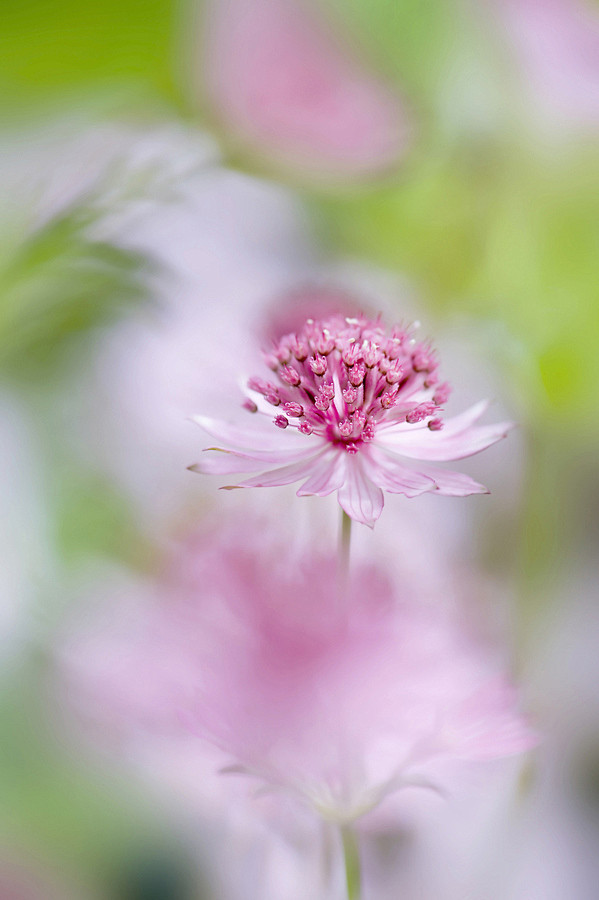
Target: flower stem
pixel 344 549
pixel 351 858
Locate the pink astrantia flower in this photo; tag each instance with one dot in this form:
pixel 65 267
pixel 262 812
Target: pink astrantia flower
pixel 338 705
pixel 348 403
pixel 283 84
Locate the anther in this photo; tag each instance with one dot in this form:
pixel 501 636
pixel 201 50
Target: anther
pixel 370 354
pixel 368 432
pixel 324 343
pixel 258 385
pixel 350 354
pixel 318 364
pixel 422 361
pixel 393 347
pixel 359 419
pixel 419 413
pixel 290 376
pixel 300 350
pixel 395 372
pixel 281 421
pixel 328 390
pixel 442 393
pixel 271 396
pixel 356 376
pixel 283 353
pixel 389 399
pixel 295 410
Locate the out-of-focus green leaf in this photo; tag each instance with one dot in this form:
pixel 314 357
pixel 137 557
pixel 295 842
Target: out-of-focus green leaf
pixel 55 285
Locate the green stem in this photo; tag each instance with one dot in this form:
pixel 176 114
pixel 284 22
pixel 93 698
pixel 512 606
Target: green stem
pixel 351 858
pixel 344 549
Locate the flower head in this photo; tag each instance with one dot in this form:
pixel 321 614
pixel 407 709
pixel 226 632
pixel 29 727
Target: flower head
pixel 338 705
pixel 346 400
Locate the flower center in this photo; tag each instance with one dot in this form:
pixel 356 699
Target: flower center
pixel 341 378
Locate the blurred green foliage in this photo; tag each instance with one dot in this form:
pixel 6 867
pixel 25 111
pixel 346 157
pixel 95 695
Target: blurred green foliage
pixel 56 283
pixel 52 50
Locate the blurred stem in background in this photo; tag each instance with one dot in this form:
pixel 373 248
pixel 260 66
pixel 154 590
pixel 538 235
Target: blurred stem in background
pixel 351 858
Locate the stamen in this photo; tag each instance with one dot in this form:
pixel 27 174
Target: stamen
pixel 272 397
pixel 420 413
pixel 389 398
pixel 290 376
pixel 295 410
pixel 318 364
pixel 300 350
pixel 341 378
pixel 395 372
pixel 258 385
pixel 350 354
pixel 356 376
pixel 422 361
pixel 442 392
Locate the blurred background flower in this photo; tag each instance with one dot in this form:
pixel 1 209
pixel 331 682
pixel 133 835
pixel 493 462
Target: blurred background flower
pixel 175 179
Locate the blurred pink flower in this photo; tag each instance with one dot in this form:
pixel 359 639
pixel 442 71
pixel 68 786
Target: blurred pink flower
pixel 283 84
pixel 337 704
pixel 350 401
pixel 556 43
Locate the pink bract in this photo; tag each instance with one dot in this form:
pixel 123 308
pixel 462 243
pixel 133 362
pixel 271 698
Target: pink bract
pixel 348 403
pixel 283 84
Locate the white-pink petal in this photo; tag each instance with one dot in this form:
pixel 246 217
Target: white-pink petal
pixel 390 474
pixel 247 439
pixel 457 439
pixel 360 497
pixel 286 474
pixel 453 484
pixel 219 461
pixel 327 476
pixel 485 725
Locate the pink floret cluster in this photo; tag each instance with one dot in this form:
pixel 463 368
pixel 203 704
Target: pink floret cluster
pixel 341 378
